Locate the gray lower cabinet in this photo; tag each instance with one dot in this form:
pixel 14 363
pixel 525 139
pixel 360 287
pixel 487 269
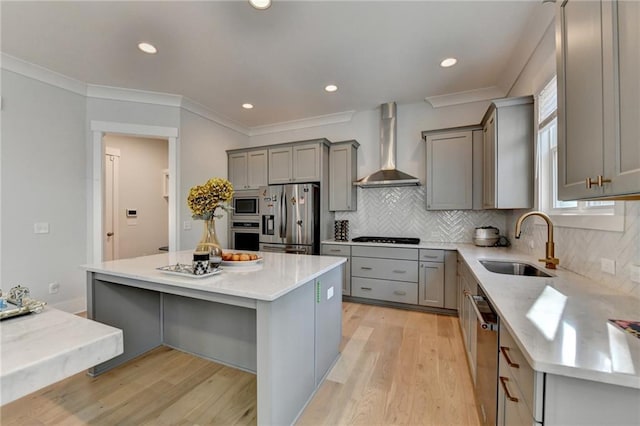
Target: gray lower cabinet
pixel 467 286
pixel 385 273
pixel 341 250
pixel 431 284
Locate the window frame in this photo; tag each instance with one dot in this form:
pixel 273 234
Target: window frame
pixel 582 215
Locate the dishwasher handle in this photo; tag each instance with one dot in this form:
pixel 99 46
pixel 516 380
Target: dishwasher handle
pixel 474 303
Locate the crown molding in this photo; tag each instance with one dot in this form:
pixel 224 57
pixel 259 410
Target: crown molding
pixel 476 95
pixel 97 91
pixel 321 120
pixel 201 110
pixel 44 75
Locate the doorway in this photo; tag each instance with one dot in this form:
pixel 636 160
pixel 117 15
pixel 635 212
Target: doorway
pixel 95 220
pixel 136 206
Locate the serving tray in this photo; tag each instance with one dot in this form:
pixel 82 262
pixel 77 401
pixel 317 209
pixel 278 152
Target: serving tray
pixel 28 306
pixel 185 270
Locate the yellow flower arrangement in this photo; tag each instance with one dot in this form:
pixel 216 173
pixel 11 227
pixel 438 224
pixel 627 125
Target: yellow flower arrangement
pixel 204 199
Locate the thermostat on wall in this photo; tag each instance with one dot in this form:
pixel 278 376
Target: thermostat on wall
pixel 132 213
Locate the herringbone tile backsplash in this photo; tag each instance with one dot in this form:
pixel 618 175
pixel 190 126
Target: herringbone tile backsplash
pixel 580 250
pixel 400 212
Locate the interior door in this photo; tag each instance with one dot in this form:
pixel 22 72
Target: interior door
pixel 110 237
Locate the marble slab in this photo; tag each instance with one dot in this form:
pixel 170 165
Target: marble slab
pixel 278 274
pixel 561 323
pixel 40 349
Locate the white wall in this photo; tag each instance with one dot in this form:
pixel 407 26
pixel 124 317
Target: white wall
pixel 203 145
pixel 141 165
pixel 43 180
pixel 579 250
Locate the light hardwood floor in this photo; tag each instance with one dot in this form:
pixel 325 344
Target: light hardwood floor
pixel 397 368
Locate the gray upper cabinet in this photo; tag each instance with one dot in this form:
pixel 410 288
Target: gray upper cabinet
pixel 343 164
pixel 449 170
pixel 508 138
pixel 248 169
pixel 295 163
pixel 598 99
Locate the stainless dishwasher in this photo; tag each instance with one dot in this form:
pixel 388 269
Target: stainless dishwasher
pixel 487 323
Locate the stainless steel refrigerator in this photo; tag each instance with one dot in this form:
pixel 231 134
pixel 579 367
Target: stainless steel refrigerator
pixel 290 216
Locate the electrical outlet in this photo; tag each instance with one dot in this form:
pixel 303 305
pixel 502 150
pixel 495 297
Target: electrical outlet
pixel 54 287
pixel 532 244
pixel 608 266
pixel 635 273
pixel 186 225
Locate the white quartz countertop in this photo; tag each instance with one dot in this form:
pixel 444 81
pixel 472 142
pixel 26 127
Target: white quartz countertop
pixel 41 349
pixel 562 323
pixel 278 274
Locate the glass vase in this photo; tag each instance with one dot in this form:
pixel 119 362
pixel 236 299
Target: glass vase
pixel 209 243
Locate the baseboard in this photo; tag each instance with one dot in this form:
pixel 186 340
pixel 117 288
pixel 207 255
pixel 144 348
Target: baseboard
pixel 72 306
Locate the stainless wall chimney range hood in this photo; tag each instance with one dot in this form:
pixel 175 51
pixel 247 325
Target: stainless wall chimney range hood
pixel 388 175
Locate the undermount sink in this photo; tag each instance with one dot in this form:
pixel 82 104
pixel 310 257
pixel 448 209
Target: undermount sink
pixel 513 268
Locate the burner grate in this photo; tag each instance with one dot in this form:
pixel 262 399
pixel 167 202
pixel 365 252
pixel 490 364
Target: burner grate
pixel 387 240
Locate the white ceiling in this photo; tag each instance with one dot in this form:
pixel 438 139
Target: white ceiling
pixel 223 54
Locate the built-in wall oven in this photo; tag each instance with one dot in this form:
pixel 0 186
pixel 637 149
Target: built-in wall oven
pixel 487 357
pixel 244 235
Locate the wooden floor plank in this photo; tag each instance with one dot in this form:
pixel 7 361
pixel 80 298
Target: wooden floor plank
pixel 397 368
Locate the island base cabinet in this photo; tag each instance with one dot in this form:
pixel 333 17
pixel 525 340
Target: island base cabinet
pixel 570 401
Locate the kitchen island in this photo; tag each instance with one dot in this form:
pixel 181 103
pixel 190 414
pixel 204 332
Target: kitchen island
pixel 280 320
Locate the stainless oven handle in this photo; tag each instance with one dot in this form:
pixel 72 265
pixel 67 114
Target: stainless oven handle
pixel 483 324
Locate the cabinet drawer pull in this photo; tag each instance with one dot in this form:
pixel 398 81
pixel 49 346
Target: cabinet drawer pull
pixel 504 351
pixel 503 382
pixel 366 268
pixel 429 256
pixel 602 180
pixel 335 250
pixel 399 271
pixel 365 288
pixel 400 293
pixel 590 182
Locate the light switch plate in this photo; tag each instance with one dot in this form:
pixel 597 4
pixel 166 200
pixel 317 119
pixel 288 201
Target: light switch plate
pixel 329 293
pixel 186 225
pixel 635 273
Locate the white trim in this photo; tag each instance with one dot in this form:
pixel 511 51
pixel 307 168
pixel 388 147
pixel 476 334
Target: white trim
pixel 98 129
pixel 133 95
pixel 321 120
pixel 42 74
pixel 475 95
pixel 600 222
pixel 204 112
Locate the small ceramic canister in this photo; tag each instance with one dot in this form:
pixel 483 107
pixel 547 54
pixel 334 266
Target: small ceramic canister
pixel 201 262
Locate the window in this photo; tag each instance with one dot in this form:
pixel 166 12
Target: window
pixel 604 215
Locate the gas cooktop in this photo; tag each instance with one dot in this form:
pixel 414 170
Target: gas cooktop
pixel 387 240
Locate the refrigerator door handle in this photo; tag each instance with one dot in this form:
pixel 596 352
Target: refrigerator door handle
pixel 283 215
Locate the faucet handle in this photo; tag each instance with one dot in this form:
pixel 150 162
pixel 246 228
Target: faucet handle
pixel 550 262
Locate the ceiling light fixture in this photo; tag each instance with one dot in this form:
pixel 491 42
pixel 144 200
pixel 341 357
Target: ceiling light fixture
pixel 260 4
pixel 147 48
pixel 448 62
pixel 247 106
pixel 331 88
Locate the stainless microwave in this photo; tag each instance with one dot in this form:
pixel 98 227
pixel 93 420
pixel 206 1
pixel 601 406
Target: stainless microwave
pixel 245 205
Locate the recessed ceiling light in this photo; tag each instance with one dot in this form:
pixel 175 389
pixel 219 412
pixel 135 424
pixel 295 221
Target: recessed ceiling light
pixel 331 88
pixel 147 48
pixel 260 4
pixel 449 62
pixel 247 106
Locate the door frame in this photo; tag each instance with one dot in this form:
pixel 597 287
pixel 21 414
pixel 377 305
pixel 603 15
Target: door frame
pixel 95 212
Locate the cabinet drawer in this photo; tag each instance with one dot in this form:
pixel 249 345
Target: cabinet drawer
pixel 385 252
pixel 392 291
pixel 429 255
pixel 336 250
pixel 519 369
pixel 510 412
pixel 385 269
